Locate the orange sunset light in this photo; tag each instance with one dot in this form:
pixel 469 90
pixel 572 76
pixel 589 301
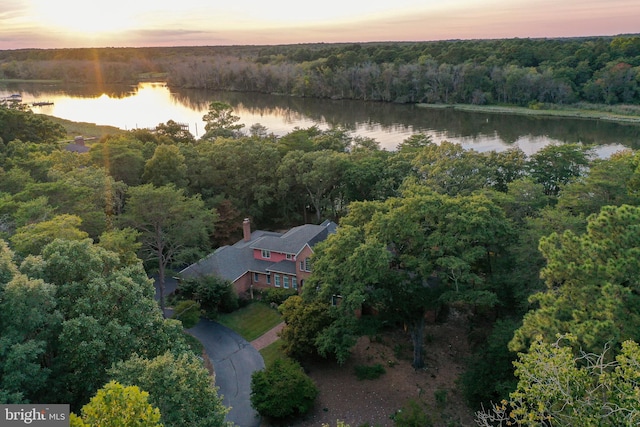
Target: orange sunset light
pixel 85 23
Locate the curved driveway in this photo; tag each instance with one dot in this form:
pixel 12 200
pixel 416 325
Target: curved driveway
pixel 234 360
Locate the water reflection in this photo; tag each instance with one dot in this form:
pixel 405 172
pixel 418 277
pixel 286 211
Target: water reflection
pixel 149 104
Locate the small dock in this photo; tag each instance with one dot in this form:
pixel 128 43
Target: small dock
pixel 16 97
pixel 42 103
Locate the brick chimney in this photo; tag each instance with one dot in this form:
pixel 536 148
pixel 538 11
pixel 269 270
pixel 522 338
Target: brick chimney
pixel 246 229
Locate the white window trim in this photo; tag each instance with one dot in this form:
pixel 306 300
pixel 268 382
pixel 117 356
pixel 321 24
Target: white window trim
pixel 266 253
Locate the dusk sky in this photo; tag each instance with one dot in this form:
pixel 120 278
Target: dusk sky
pixel 118 23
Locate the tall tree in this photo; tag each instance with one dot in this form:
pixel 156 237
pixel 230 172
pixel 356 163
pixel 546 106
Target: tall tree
pixel 122 156
pixel 450 169
pixel 32 238
pixel 556 165
pixel 175 132
pixel 240 170
pixel 392 256
pixel 167 166
pixel 318 174
pixel 609 182
pixel 190 400
pixel 173 227
pixel 29 320
pixel 220 121
pixel 304 321
pixel 108 313
pixel 27 126
pixel 592 287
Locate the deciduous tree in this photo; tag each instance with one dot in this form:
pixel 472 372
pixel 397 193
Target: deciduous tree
pixel 116 406
pixel 122 156
pixel 167 166
pixel 556 165
pixel 304 322
pixel 318 174
pixel 179 386
pixel 32 238
pixel 392 255
pixel 29 321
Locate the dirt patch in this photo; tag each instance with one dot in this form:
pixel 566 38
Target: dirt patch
pixel 373 402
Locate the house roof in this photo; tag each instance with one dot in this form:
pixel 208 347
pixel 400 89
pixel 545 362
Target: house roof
pixel 77 148
pixel 231 262
pixel 294 240
pixel 286 267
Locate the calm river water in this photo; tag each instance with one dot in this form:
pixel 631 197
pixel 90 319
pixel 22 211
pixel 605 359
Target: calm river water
pixel 149 104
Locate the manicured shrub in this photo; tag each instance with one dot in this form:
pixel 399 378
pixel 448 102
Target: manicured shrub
pixel 277 296
pixel 282 390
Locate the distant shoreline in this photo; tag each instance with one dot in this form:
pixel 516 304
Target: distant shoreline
pixel 622 114
pixel 561 112
pixel 4 81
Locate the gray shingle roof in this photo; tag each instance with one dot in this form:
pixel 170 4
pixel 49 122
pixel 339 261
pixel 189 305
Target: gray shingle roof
pixel 231 262
pixel 286 267
pixel 294 240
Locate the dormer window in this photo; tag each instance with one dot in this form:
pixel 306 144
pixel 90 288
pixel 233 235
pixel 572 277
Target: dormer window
pixel 289 256
pixel 266 253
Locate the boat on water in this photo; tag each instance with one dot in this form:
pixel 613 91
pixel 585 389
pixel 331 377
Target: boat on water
pixel 41 103
pixel 16 97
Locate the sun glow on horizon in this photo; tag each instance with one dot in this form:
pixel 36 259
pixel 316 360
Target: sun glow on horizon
pixel 83 19
pixel 138 23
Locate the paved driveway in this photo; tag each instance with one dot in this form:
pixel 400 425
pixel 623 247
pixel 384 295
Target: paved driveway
pixel 234 360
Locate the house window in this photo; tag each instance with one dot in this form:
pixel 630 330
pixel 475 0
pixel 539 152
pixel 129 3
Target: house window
pixel 266 253
pixel 294 283
pixel 277 281
pixel 256 277
pixel 301 265
pixel 268 279
pixel 289 256
pixel 285 279
pixel 307 264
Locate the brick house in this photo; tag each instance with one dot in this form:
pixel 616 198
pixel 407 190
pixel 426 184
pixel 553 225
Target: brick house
pixel 264 259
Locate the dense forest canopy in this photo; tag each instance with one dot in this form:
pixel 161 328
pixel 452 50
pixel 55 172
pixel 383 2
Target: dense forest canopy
pixel 538 253
pixel 509 71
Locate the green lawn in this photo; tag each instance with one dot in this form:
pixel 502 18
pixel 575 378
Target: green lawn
pixel 86 129
pixel 272 352
pixel 251 321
